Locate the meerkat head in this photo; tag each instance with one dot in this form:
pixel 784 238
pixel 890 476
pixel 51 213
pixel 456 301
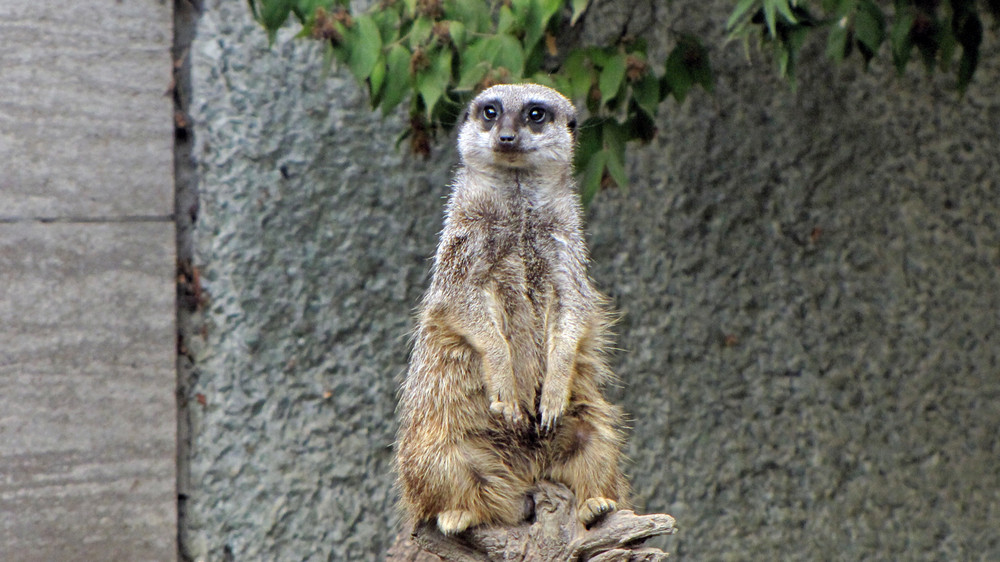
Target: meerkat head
pixel 520 126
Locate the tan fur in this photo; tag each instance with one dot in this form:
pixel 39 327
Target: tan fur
pixel 508 360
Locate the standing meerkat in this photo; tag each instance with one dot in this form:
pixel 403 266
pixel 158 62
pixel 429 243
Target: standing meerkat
pixel 504 384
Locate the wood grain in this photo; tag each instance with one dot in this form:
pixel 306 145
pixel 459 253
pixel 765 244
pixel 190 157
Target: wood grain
pixel 553 534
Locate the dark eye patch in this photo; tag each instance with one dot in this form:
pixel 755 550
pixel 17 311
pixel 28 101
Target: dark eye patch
pixel 488 112
pixel 536 115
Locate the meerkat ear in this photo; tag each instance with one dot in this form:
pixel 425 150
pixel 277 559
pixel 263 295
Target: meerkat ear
pixel 465 116
pixel 571 124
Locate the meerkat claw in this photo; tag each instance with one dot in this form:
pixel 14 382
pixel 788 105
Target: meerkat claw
pixel 548 421
pixel 454 521
pixel 555 398
pixel 594 508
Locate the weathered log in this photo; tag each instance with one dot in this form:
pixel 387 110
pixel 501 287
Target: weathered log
pixel 554 534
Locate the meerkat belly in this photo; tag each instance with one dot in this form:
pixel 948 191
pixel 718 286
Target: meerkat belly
pixel 525 294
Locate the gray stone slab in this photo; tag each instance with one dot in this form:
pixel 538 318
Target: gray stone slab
pixel 85 113
pixel 87 403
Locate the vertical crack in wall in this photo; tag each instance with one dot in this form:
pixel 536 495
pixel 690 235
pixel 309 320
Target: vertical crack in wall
pixel 189 294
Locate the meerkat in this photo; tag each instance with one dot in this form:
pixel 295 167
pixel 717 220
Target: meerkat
pixel 508 359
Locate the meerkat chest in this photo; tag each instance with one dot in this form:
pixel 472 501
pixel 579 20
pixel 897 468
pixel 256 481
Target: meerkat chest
pixel 526 255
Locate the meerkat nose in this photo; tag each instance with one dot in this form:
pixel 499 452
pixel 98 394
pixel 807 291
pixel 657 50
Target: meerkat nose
pixel 506 141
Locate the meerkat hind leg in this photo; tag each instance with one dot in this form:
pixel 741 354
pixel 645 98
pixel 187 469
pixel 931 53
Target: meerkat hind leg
pixel 586 458
pixel 592 509
pixel 483 489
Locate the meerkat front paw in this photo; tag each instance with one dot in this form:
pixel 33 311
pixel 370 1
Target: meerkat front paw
pixel 454 521
pixel 508 410
pixel 551 408
pixel 593 509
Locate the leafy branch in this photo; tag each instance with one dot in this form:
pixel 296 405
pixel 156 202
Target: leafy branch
pixel 935 29
pixel 434 55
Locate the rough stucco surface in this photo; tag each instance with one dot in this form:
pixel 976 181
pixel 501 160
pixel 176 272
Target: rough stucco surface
pixel 810 282
pixel 312 238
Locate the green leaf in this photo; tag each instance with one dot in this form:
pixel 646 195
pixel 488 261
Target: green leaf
pixel 640 125
pixel 476 61
pixel 507 20
pixel 545 80
pixel 615 137
pixel 869 27
pixel 579 7
pixel 533 60
pixel 646 93
pixel 456 30
pixel 839 8
pixel 948 44
pixel 474 13
pixel 678 77
pixel 471 76
pixel 970 36
pixel 786 11
pixel 771 16
pixel 617 172
pixel 273 14
pixel 836 43
pixel 397 78
pixel 786 63
pixel 388 25
pixel 420 32
pixel 741 10
pixel 376 80
pixel 593 172
pixel 580 75
pixel 507 53
pixel 562 84
pixel 695 57
pixel 612 77
pixel 589 140
pixel 366 45
pixel 900 39
pixel 433 81
pixel 928 44
pixel 304 9
pixel 530 16
pixel 549 8
pixel 600 55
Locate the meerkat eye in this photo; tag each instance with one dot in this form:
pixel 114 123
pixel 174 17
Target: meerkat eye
pixel 537 114
pixel 489 112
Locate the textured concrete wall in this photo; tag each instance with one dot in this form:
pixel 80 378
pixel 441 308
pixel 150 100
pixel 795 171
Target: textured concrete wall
pixel 810 282
pixel 313 236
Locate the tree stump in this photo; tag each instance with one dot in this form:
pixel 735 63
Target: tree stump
pixel 555 535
